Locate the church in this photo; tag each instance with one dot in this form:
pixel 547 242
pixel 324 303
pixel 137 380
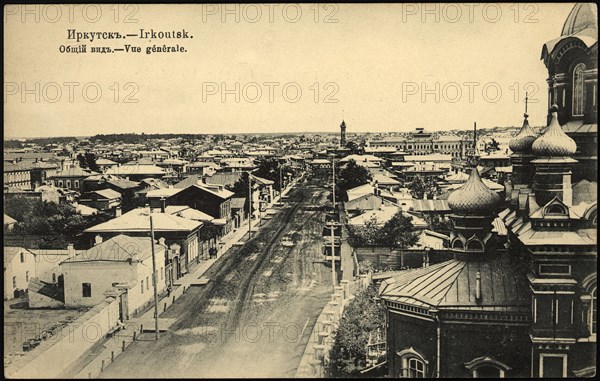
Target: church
pixel 519 297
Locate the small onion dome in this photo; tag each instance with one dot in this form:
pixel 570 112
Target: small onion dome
pixel 554 141
pixel 524 139
pixel 474 197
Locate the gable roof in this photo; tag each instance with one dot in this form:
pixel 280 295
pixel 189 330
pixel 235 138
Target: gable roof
pixel 117 249
pixel 138 220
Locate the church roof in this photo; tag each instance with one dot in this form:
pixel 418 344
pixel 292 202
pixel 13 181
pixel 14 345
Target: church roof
pixel 451 285
pixel 583 17
pixel 473 197
pixel 554 142
pixel 524 139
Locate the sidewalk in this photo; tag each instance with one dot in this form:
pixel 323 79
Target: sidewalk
pixel 92 363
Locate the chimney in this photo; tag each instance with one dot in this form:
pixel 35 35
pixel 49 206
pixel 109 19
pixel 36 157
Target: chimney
pixel 163 204
pixel 118 211
pixel 71 250
pixel 478 286
pixel 97 240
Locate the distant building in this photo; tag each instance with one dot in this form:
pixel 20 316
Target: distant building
pixel 422 142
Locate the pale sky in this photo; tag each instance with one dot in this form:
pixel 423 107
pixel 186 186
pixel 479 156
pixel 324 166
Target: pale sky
pixel 377 60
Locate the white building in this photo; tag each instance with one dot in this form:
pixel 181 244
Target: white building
pixel 19 267
pixel 123 262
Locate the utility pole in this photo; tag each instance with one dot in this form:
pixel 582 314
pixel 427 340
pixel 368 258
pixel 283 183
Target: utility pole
pixel 154 280
pixel 280 181
pixel 332 229
pixel 250 206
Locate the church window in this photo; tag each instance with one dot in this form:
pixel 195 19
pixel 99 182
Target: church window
pixel 474 245
pixel 413 365
pixel 487 367
pixel 578 90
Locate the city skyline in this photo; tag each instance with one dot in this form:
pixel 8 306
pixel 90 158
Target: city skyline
pixel 382 83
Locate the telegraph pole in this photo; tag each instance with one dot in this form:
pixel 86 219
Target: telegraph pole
pixel 250 206
pixel 154 280
pixel 332 228
pixel 280 181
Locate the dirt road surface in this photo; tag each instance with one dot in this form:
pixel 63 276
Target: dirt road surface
pixel 254 317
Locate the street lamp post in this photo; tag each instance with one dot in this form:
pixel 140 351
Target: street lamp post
pixel 154 277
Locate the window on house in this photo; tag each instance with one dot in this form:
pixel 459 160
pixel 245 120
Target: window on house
pixel 53 278
pixel 68 183
pixel 487 367
pixel 578 90
pixel 142 284
pixel 26 276
pixel 553 365
pixel 147 284
pixel 14 281
pixel 76 184
pixel 22 255
pixel 162 273
pixel 413 365
pixel 416 368
pixel 86 290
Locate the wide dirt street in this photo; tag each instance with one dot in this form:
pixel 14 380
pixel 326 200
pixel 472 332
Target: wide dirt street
pixel 254 317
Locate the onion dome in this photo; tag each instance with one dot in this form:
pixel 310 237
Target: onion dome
pixel 474 197
pixel 583 16
pixel 524 139
pixel 554 141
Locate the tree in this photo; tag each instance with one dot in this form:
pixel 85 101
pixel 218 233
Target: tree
pixel 352 176
pixel 419 187
pixel 55 224
pixel 362 316
pixel 240 187
pixel 365 235
pixel 88 160
pixel 353 147
pixel 398 232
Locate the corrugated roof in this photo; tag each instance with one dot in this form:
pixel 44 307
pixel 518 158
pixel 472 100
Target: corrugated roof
pixel 451 284
pixel 224 178
pixel 430 205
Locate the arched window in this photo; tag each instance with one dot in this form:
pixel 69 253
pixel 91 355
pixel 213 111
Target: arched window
pixel 457 244
pixel 413 364
pixel 474 245
pixel 416 368
pixel 487 367
pixel 578 90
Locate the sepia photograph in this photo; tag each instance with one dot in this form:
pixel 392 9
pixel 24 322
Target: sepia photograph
pixel 314 190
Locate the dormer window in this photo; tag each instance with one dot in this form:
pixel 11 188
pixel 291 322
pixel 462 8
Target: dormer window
pixel 487 367
pixel 555 209
pixel 474 245
pixel 413 363
pixel 457 244
pixel 578 90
